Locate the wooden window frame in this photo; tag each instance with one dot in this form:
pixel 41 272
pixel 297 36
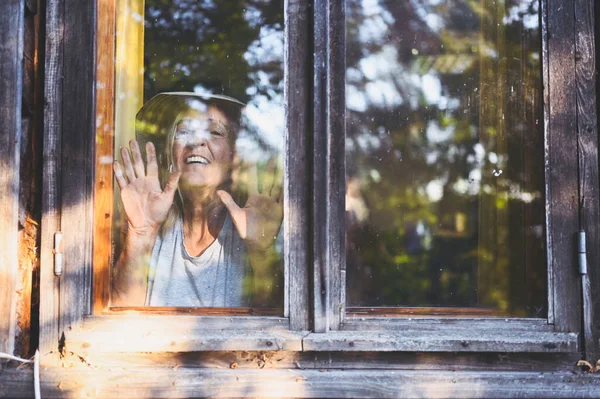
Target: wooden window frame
pixel 76 176
pixel 78 185
pixel 68 164
pixel 566 83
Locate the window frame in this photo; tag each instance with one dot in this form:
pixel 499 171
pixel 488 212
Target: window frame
pixel 563 96
pixel 314 131
pixel 79 130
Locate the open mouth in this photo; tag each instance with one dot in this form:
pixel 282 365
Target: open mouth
pixel 196 159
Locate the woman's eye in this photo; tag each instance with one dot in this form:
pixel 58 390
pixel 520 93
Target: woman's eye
pixel 181 133
pixel 216 133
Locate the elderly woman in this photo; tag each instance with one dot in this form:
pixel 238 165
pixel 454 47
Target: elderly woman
pixel 188 243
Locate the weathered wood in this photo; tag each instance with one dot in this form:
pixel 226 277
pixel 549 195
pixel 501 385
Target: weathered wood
pixel 589 191
pixel 176 340
pixel 319 185
pixel 336 156
pixel 103 184
pixel 442 341
pixel 182 322
pixel 331 360
pixel 171 310
pixel 546 107
pixel 178 333
pixel 445 324
pixel 297 159
pixel 11 70
pixel 561 166
pixel 53 30
pixel 29 176
pixel 78 127
pixel 427 312
pixel 184 383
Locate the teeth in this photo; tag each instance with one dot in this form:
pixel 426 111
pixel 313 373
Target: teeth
pixel 196 159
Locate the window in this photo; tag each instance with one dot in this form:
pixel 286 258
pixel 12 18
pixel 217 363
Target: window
pixel 321 310
pixel 445 158
pixel 382 116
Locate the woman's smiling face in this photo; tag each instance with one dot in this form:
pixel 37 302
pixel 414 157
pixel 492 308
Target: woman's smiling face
pixel 203 148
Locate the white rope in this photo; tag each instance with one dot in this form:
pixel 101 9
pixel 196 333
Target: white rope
pixel 36 369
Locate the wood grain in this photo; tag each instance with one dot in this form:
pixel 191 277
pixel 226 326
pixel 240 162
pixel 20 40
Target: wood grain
pixel 445 324
pixel 442 341
pixel 77 161
pixel 561 166
pixel 319 184
pixel 53 30
pixel 589 191
pixel 336 156
pixel 11 89
pixel 461 361
pixel 297 160
pixel 175 340
pixel 184 382
pixel 105 127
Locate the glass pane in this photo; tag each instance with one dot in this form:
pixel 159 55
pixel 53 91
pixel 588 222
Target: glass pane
pixel 200 85
pixel 445 156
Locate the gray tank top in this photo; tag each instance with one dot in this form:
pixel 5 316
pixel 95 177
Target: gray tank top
pixel 214 279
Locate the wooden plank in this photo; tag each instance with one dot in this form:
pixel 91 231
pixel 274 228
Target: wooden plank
pixel 11 86
pixel 174 340
pixel 29 193
pixel 53 79
pixel 546 362
pixel 175 323
pixel 105 128
pixel 425 312
pixel 589 191
pixel 297 161
pixel 546 107
pixel 561 166
pixel 442 341
pixel 319 185
pixel 151 333
pixel 336 156
pixel 77 161
pixel 184 382
pixel 445 324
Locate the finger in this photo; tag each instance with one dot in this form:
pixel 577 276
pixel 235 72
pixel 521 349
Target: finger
pixel 252 180
pixel 152 167
pixel 277 192
pixel 138 163
pixel 171 185
pixel 119 175
pixel 127 164
pixel 273 175
pixel 237 214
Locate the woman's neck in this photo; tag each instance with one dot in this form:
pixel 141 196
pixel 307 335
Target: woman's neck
pixel 203 219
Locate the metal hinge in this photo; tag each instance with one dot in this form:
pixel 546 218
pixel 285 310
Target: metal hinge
pixel 581 253
pixel 58 256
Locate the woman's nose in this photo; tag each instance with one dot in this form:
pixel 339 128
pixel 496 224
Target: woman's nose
pixel 200 138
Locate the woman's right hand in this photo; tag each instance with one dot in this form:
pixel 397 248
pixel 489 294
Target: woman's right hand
pixel 146 205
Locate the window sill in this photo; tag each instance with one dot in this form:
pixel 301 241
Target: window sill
pixel 168 333
pixel 442 341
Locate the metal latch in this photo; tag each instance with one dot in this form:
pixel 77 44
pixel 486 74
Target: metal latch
pixel 58 256
pixel 581 252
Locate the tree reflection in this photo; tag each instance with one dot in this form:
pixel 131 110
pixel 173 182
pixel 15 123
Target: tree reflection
pixel 444 154
pixel 231 47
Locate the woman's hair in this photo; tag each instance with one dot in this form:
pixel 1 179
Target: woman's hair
pixel 157 122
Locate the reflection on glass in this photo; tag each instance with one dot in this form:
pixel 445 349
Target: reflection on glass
pixel 444 155
pixel 199 123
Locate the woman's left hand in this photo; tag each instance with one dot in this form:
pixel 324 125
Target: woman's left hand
pixel 259 221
